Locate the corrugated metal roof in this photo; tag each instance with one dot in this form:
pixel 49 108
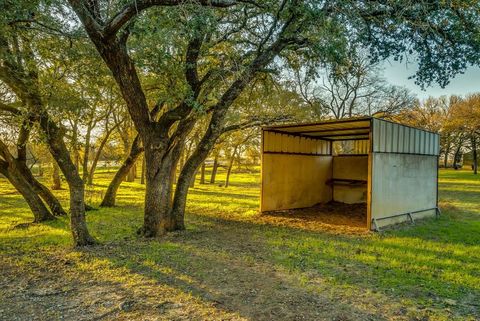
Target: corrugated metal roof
pixel 388 136
pixel 343 129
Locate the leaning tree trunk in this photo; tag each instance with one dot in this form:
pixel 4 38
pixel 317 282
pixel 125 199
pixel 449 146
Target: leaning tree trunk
pixel 189 170
pixel 132 173
pixel 38 208
pixel 98 153
pixel 59 151
pixel 230 166
pixel 52 202
pixel 111 193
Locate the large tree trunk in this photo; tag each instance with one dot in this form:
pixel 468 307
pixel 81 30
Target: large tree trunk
pixel 56 181
pixel 111 193
pixel 214 170
pixel 157 190
pixel 38 208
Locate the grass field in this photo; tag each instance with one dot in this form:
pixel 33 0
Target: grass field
pixel 232 264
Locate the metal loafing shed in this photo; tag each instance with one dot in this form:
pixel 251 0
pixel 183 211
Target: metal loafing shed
pixel 391 167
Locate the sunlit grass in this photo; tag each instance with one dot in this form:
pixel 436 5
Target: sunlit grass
pixel 414 266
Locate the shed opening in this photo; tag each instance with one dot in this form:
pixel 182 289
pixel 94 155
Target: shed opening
pixel 372 172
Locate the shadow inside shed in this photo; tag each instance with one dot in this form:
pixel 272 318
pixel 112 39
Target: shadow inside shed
pixel 372 172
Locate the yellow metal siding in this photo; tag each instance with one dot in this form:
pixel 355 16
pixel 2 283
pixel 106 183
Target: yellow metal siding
pixel 294 181
pixel 284 143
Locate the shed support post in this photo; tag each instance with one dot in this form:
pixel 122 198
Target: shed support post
pixel 411 218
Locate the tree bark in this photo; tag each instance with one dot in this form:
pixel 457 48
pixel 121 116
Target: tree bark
pixel 111 193
pixel 142 178
pixel 157 187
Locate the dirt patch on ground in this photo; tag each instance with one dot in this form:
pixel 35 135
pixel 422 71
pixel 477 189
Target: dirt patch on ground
pixel 333 217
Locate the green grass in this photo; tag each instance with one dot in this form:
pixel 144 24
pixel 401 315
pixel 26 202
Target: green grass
pixel 428 271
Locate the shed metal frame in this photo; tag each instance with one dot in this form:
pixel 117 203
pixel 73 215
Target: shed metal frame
pixel 383 136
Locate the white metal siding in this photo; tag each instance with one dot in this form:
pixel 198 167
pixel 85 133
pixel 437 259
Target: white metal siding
pixel 391 137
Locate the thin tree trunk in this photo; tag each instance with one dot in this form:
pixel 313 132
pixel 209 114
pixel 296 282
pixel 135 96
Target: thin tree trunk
pixel 214 170
pixel 202 174
pixel 56 181
pixel 456 157
pixel 111 193
pixel 475 158
pixel 445 160
pixel 131 173
pixel 98 154
pixel 230 166
pixel 86 154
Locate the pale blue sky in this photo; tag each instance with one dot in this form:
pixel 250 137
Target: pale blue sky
pixel 398 73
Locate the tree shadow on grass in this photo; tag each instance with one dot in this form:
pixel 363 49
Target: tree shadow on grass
pixel 265 272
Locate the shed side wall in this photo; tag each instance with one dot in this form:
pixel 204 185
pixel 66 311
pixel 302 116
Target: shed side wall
pixel 403 183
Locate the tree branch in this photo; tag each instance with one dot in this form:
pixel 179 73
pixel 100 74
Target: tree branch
pixel 136 7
